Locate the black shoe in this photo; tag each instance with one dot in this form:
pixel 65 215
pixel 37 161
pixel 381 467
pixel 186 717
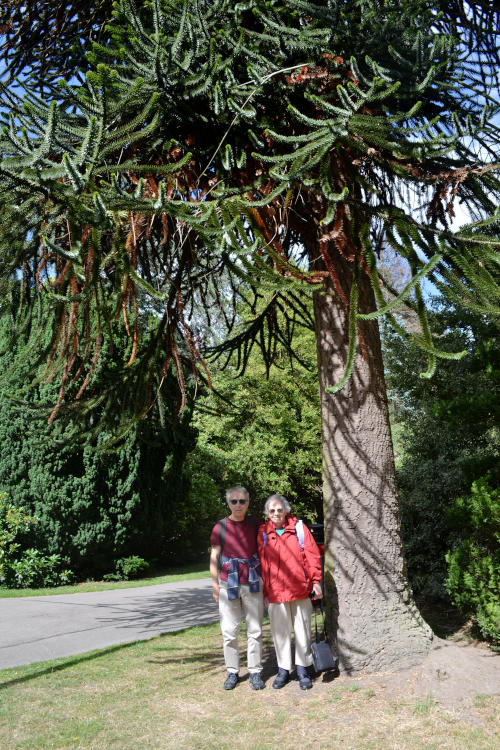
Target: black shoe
pixel 305 683
pixel 304 679
pixel 256 681
pixel 281 679
pixel 231 681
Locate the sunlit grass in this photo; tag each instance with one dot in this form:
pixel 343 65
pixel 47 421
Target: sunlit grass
pixel 167 694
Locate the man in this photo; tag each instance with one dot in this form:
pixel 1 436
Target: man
pixel 237 586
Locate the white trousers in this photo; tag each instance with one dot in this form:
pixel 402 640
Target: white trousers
pixel 283 617
pixel 249 605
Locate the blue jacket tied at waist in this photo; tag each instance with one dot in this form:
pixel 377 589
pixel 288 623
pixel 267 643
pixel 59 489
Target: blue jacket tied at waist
pixel 233 579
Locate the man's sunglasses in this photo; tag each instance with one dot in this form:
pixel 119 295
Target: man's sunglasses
pixel 240 500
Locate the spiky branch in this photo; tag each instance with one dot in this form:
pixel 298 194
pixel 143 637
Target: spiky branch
pixel 246 146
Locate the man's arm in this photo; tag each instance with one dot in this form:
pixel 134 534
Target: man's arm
pixel 214 570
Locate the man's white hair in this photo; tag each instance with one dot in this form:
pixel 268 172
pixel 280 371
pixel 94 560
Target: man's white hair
pixel 230 491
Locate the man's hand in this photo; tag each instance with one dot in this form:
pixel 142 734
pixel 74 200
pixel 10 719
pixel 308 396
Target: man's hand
pixel 214 571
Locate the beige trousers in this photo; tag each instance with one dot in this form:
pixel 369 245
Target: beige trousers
pixel 283 617
pixel 249 605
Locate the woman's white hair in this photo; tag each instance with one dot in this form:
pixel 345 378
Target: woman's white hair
pixel 282 499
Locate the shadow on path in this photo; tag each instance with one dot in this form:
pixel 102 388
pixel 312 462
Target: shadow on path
pixel 34 629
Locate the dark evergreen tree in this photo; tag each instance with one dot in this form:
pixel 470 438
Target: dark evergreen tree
pixel 265 145
pixel 95 502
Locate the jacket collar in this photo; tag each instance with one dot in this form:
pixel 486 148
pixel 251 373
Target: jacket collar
pixel 289 525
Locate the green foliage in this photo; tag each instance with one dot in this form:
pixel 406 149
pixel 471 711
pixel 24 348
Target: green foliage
pixel 33 569
pixel 263 432
pixel 95 507
pixel 132 567
pixel 20 565
pixel 15 527
pixel 128 568
pixel 474 563
pixel 447 436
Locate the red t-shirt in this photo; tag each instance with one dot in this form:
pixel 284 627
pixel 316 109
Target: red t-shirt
pixel 241 541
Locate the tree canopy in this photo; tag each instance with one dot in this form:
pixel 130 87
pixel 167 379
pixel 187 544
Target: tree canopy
pixel 38 35
pixel 186 154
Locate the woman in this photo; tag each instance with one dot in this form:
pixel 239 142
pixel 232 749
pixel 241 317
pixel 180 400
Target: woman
pixel 291 571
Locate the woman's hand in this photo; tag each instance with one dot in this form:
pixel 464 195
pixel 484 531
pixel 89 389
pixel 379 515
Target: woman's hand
pixel 317 591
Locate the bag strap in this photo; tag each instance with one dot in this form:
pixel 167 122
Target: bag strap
pixel 222 533
pixel 299 533
pixel 315 625
pixel 299 530
pixel 320 603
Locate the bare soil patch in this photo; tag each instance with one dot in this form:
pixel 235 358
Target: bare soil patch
pixel 454 674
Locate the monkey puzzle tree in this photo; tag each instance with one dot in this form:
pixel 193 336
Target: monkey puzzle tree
pixel 263 148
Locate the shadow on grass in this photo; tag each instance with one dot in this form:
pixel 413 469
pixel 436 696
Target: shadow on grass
pixel 211 658
pixel 43 669
pixel 214 659
pixel 204 661
pixel 165 651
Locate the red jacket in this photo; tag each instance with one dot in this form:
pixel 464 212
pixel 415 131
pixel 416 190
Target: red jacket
pixel 288 571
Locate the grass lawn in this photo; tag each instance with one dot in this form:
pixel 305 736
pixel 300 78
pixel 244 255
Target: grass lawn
pixel 167 694
pixel 197 570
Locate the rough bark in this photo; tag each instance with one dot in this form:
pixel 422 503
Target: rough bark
pixel 373 619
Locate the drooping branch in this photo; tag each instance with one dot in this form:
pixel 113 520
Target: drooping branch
pixel 132 210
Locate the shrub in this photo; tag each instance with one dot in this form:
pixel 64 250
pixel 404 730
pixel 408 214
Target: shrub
pixel 36 570
pixel 131 567
pixel 474 564
pixel 25 568
pixel 127 568
pixel 15 527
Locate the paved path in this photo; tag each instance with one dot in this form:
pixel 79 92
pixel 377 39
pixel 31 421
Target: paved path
pixel 37 628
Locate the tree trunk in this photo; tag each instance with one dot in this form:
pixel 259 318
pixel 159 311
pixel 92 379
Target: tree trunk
pixel 374 622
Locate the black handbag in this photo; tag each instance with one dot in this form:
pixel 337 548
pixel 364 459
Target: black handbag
pixel 323 658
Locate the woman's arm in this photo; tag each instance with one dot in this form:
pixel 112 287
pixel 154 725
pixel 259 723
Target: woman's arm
pixel 312 559
pixel 264 563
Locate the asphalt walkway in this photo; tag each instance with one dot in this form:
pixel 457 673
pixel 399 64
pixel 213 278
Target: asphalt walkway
pixel 37 628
